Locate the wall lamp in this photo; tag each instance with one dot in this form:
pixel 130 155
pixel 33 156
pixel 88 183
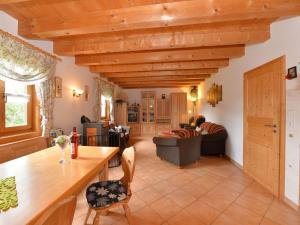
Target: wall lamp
pixel 77 92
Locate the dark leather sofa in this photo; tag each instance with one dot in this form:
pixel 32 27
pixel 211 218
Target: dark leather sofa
pixel 214 142
pixel 179 151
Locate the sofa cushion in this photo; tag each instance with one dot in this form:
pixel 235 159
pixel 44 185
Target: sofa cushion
pixel 186 133
pixel 105 193
pixel 212 128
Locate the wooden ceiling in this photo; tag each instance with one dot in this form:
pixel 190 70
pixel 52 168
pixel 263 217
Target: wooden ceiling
pixel 150 43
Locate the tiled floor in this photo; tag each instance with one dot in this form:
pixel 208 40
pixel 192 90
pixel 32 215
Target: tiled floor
pixel 213 191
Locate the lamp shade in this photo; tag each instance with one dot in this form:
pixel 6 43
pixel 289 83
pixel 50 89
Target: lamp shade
pixel 194 94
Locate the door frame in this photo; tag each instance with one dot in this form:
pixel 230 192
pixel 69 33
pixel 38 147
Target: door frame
pixel 282 61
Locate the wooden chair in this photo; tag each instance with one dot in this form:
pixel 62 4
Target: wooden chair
pixel 97 192
pixel 60 214
pixel 91 135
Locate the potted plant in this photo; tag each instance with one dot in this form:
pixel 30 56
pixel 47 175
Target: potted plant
pixel 62 142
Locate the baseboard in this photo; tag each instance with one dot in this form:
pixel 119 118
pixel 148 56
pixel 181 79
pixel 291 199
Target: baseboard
pixel 291 204
pixel 234 162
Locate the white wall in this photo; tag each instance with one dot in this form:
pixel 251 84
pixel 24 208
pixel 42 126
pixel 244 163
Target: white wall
pixel 67 110
pixel 285 40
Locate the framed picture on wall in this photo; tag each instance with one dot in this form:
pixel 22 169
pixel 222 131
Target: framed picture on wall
pixel 292 73
pixel 58 87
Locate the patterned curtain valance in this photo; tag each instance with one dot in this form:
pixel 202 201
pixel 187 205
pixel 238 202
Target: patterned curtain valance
pixel 19 61
pixel 106 88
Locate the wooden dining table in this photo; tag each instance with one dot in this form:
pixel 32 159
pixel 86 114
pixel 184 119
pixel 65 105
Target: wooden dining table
pixel 41 181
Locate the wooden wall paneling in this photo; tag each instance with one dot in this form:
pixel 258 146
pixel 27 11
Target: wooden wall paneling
pixel 135 129
pixel 203 64
pixel 18 149
pixel 163 109
pixel 121 113
pixel 178 109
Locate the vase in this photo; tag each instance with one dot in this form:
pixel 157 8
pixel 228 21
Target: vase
pixel 63 158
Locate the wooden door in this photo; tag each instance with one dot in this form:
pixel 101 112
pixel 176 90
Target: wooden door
pixel 160 109
pixel 182 108
pixel 174 111
pixel 263 106
pixel 167 109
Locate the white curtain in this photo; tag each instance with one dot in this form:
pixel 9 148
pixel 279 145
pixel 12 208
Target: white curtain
pixel 21 62
pixel 44 91
pixel 102 88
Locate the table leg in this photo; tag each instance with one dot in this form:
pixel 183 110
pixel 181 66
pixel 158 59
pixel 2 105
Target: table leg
pixel 103 175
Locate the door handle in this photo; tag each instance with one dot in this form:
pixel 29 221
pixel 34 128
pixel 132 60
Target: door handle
pixel 270 125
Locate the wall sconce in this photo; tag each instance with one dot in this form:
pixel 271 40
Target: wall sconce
pixel 77 92
pixel 214 95
pixel 194 94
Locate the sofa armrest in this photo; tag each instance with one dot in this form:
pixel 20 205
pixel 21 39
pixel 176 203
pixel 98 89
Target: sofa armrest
pixel 165 141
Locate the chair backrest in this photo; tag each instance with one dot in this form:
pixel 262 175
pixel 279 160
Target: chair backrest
pixel 91 135
pixel 128 165
pixel 60 214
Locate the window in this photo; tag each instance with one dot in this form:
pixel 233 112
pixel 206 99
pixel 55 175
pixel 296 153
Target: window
pixel 18 112
pixel 16 100
pixel 106 107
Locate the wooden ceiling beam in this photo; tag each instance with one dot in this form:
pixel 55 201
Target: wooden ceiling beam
pixel 160 73
pixel 153 87
pixel 233 33
pixel 161 85
pixel 162 78
pixel 158 15
pixel 223 52
pixel 189 82
pixel 160 66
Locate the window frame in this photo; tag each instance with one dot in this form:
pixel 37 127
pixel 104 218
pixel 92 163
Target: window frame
pixel 32 129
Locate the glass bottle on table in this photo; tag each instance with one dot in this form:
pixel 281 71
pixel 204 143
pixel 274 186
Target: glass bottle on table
pixel 74 144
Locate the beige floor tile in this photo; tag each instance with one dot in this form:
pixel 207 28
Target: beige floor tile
pixel 136 203
pixel 138 184
pixel 211 191
pixel 195 190
pixel 282 214
pixel 243 215
pixel 203 212
pixel 255 206
pixel 146 216
pixel 267 221
pixel 209 180
pixel 165 207
pixel 149 195
pixel 183 218
pixel 181 198
pixel 219 198
pixel 233 185
pixel 181 179
pixel 164 187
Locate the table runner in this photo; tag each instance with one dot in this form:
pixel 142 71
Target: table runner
pixel 8 194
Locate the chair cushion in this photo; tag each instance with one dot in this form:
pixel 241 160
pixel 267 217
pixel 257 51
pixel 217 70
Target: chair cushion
pixel 105 193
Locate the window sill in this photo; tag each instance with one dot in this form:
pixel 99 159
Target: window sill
pixel 9 138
